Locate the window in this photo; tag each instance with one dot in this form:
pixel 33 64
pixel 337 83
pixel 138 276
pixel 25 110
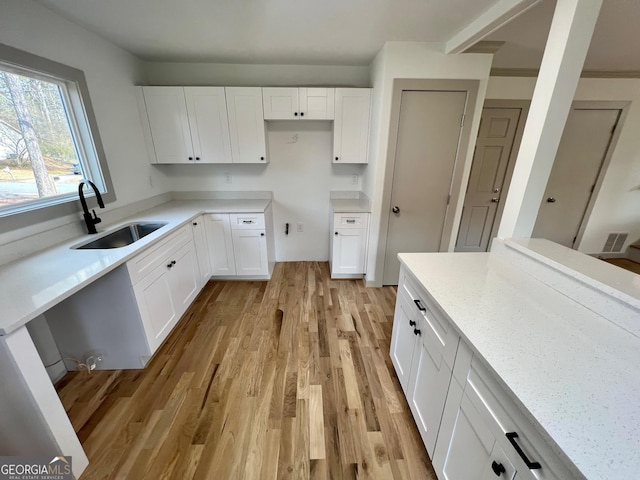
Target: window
pixel 48 137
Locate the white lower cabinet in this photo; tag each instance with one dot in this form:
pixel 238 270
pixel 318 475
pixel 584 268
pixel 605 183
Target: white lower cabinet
pixel 423 347
pixel 348 247
pixel 241 244
pixel 202 249
pixel 471 428
pixel 165 282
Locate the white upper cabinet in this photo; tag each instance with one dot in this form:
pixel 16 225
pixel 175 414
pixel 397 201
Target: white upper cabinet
pixel 246 124
pixel 282 103
pixel 166 111
pixel 187 124
pixel 207 110
pixel 351 126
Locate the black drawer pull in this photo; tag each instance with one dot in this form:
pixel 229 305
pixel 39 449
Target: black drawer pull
pixel 412 323
pixel 421 307
pixel 511 436
pixel 417 332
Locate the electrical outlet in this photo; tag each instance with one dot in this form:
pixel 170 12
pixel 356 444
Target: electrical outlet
pixel 227 177
pixel 300 227
pixel 354 179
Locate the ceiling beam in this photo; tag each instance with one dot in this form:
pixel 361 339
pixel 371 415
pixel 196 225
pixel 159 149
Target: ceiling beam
pixel 498 15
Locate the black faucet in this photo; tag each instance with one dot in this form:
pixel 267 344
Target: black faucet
pixel 90 220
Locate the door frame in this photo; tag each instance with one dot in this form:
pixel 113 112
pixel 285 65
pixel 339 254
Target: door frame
pixel 623 106
pixel 523 105
pixel 454 209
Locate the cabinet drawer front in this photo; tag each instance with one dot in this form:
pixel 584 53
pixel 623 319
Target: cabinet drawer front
pixel 439 336
pixel 350 220
pixel 502 416
pixel 250 221
pixel 147 261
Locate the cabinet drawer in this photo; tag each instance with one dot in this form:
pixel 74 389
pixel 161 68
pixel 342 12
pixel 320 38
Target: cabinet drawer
pixel 440 337
pixel 350 220
pixel 251 221
pixel 147 261
pixel 504 419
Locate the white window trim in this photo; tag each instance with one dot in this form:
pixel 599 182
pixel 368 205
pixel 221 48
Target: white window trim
pixel 34 211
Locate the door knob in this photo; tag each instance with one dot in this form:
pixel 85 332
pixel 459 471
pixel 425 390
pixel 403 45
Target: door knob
pixel 551 200
pixel 395 209
pixel 497 468
pixel 495 200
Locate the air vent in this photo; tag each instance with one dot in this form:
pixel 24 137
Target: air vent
pixel 615 241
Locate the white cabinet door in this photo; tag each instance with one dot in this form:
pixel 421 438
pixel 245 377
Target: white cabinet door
pixel 428 386
pixel 183 278
pixel 166 111
pixel 403 343
pixel 155 302
pixel 209 125
pixel 220 244
pixel 246 124
pixel 250 251
pixel 466 447
pixel 348 251
pixel 351 125
pixel 317 103
pixel 202 250
pixel 280 103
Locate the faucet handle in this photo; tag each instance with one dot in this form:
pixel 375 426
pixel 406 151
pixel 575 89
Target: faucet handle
pixel 96 219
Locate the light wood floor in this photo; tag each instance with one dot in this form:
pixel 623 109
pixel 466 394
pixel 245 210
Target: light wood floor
pixel 289 378
pixel 625 263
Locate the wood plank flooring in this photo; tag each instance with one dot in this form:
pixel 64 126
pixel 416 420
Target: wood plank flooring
pixel 286 379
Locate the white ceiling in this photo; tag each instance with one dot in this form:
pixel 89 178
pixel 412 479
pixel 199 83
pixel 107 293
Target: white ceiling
pixel 613 46
pixel 307 32
pixel 334 32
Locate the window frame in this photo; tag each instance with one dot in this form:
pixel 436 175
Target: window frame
pixel 78 101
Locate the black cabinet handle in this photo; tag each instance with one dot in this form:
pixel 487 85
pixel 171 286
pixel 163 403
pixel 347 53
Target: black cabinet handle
pixel 195 223
pixel 295 114
pixel 302 114
pixel 262 234
pixel 497 468
pixel 336 159
pixel 336 233
pixel 262 158
pixel 190 158
pixel 421 307
pixel 412 323
pixel 511 436
pixel 173 262
pixel 198 159
pixel 417 332
pixel 169 265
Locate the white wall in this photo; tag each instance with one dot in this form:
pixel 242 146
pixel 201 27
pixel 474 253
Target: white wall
pixel 111 74
pixel 410 60
pixel 617 207
pixel 242 75
pixel 299 173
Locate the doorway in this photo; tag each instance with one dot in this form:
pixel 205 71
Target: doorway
pixel 499 137
pixel 587 143
pixel 426 170
pixel 586 146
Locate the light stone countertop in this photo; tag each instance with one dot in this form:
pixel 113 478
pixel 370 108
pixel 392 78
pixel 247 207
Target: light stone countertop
pixel 32 285
pixel 350 202
pixel 572 370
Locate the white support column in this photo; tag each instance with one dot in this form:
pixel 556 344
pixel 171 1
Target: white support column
pixel 567 45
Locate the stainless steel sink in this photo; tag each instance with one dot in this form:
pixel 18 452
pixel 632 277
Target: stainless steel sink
pixel 122 237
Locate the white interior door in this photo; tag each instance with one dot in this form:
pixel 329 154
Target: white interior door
pixel 585 142
pixel 486 186
pixel 427 146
